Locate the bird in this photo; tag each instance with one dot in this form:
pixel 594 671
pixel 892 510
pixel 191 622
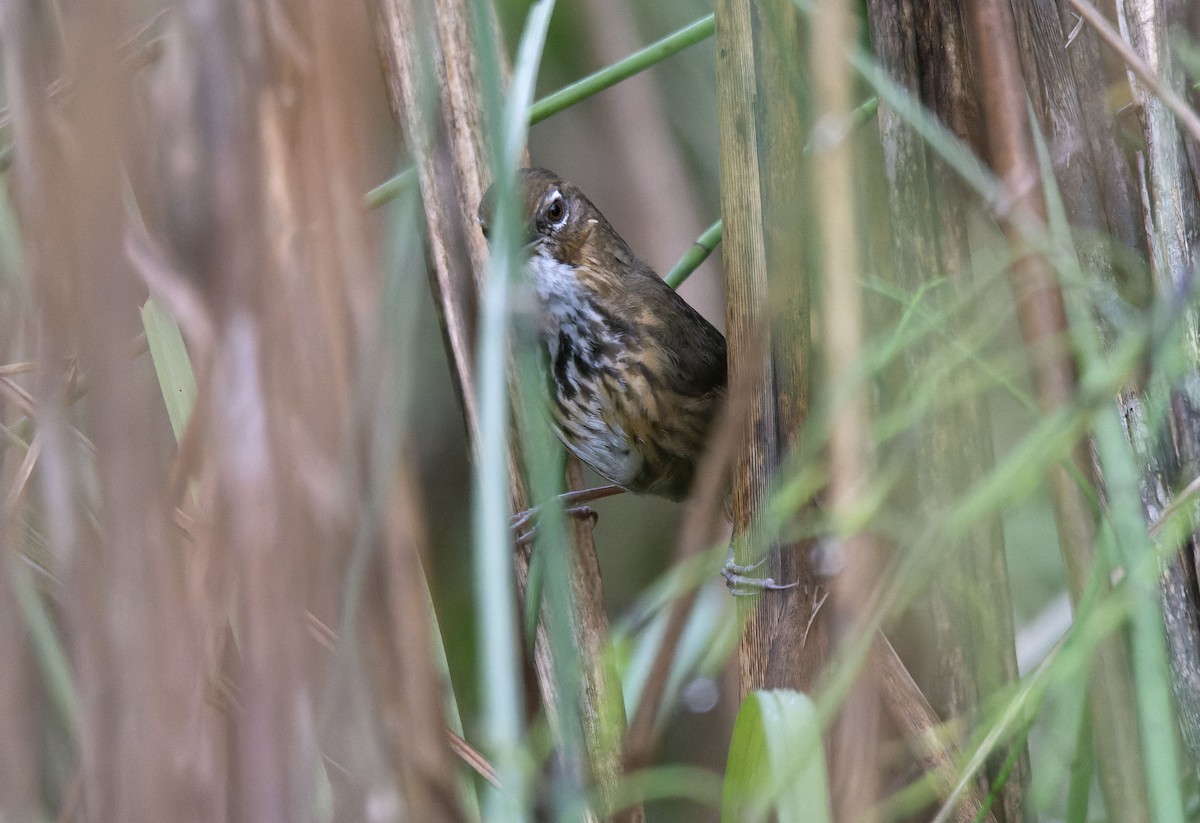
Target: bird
pixel 636 375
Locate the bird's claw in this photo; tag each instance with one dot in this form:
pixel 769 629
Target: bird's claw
pixel 523 519
pixel 740 585
pixel 741 582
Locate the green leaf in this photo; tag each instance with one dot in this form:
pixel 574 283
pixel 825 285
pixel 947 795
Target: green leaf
pixel 171 364
pixel 776 761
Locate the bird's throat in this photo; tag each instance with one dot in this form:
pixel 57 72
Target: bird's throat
pixel 582 335
pixel 567 303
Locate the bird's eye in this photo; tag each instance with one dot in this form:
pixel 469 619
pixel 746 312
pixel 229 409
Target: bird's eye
pixel 556 210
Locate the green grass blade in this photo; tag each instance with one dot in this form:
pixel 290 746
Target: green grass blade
pixel 47 646
pixel 466 787
pixel 776 762
pixel 498 640
pixel 171 364
pixel 1128 531
pixel 1083 768
pixel 391 188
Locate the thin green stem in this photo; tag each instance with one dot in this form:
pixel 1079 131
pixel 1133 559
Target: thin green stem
pixel 694 256
pixel 623 69
pixel 707 243
pixel 391 188
pixel 581 89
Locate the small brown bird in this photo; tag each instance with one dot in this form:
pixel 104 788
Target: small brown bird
pixel 636 374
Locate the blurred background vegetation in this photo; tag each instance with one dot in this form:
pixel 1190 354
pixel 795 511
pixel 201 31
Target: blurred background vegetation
pixel 234 450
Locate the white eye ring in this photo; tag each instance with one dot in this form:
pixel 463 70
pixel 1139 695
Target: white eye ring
pixel 556 210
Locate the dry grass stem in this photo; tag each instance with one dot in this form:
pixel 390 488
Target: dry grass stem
pixel 918 722
pixel 1044 331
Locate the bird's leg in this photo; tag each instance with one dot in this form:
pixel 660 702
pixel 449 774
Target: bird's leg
pixel 574 504
pixel 741 581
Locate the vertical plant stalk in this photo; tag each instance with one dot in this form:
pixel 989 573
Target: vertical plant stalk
pixel 498 645
pixel 223 101
pixel 856 733
pixel 382 715
pixel 970 603
pixel 800 636
pixel 437 97
pixel 1170 192
pixel 1069 90
pixel 744 257
pixel 759 123
pixel 782 645
pixel 266 229
pixel 1044 330
pixel 414 74
pixel 42 206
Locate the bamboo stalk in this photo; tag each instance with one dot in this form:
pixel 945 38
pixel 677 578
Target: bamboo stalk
pixel 974 648
pixel 1044 330
pixel 745 262
pixel 784 642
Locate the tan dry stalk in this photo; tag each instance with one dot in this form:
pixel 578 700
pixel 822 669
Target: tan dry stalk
pixel 1045 333
pixel 856 733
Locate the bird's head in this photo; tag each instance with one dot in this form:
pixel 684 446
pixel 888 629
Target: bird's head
pixel 562 228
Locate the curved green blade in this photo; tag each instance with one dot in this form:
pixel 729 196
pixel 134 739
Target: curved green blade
pixel 776 761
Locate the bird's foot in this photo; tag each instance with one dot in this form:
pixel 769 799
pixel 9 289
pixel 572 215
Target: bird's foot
pixel 524 524
pixel 742 582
